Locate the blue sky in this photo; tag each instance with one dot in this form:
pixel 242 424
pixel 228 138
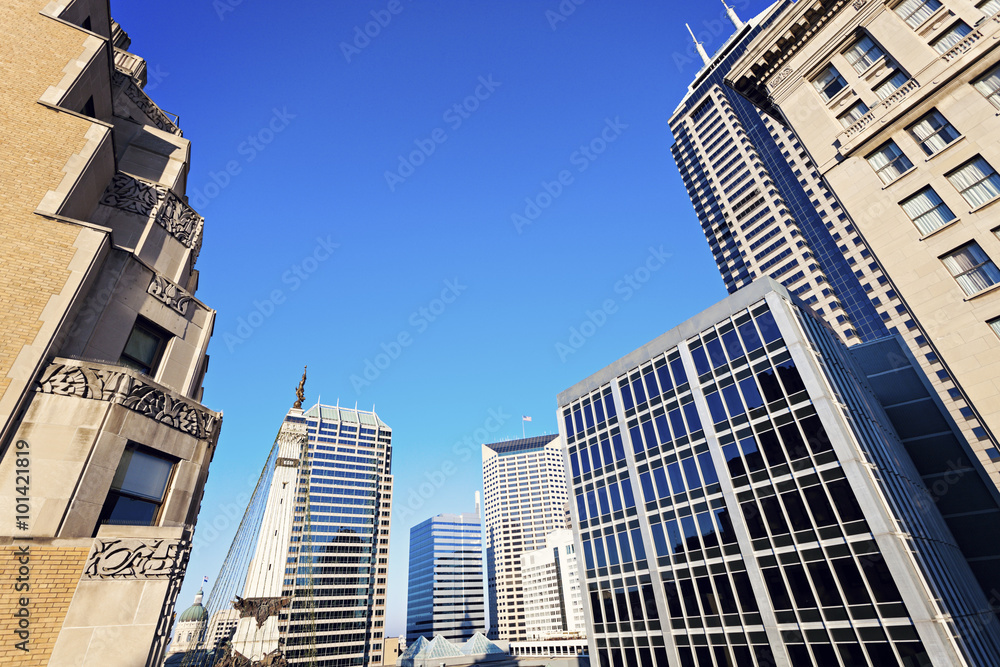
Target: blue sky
pixel 452 220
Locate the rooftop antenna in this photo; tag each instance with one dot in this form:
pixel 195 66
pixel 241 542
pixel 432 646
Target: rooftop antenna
pixel 731 13
pixel 697 44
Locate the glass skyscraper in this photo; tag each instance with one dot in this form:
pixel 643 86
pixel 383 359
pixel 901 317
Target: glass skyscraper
pixel 766 211
pixel 749 491
pixel 321 554
pixel 445 580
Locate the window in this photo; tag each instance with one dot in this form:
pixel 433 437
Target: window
pixel 853 114
pixel 889 162
pixel 137 489
pixel 863 54
pixel 995 325
pixel 933 132
pixel 927 211
pixel 977 181
pixel 915 12
pixel 972 268
pixel 829 82
pixel 989 7
pixel 890 85
pixel 989 87
pixel 144 347
pixel 952 37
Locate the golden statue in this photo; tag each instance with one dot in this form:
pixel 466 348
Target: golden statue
pixel 300 391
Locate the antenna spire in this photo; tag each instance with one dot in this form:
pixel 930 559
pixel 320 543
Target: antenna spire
pixel 697 44
pixel 731 13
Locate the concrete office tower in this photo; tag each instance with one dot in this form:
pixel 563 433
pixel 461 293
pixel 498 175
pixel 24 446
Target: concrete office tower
pixel 318 576
pixel 749 490
pixel 104 444
pixel 897 106
pixel 524 484
pixel 766 210
pixel 445 581
pixel 553 608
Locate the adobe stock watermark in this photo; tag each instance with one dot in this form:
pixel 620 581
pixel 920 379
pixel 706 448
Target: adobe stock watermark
pixel 462 450
pixel 294 277
pixel 581 159
pixel 562 12
pixel 248 149
pixel 627 286
pixel 224 516
pixel 454 116
pixel 419 321
pixel 363 35
pixel 154 77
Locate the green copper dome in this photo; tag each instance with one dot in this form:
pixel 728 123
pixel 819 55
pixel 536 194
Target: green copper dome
pixel 195 612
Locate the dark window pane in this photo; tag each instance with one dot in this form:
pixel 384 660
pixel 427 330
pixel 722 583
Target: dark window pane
pixel 602 500
pixel 913 654
pixel 646 481
pixel 691 414
pixel 733 459
pixel 662 429
pixel 825 585
pixel 687 657
pixel 676 423
pixel 595 455
pixel 776 588
pixel 796 510
pixel 659 540
pixel 689 597
pixel 753 519
pixel 592 504
pixel 771 446
pixel 609 406
pixel 677 368
pixel 732 344
pixel 790 377
pixel 764 655
pixel 581 507
pixel 142 474
pixel 595 604
pixel 816 435
pixel 733 400
pixel 827 657
pixel 750 338
pixel 142 349
pixel 674 539
pixel 627 399
pixel 606 451
pixel 707 468
pixel 125 511
pixel 707 596
pixel 584 461
pixel 850 581
pixel 588 553
pixel 663 373
pixel 744 591
pixel 599 410
pixel 649 433
pixel 616 500
pixel 588 415
pixel 609 606
pixel 714 401
pixel 700 360
pixel 599 553
pixel 769 385
pixel 751 454
pixel 726 598
pixel 568 420
pixel 772 512
pixel 794 445
pixel 640 393
pixel 676 482
pixel 751 395
pixel 799 584
pixel 649 599
pixel 799 654
pixel 879 579
pixel 660 477
pixel 578 420
pixel 691 473
pixel 725 525
pixel 819 506
pixel 574 462
pixel 844 500
pixel 690 530
pixel 612 549
pixel 637 546
pixel 635 435
pixel 673 600
pixel 715 354
pixel 851 654
pixel 650 379
pixel 627 493
pixel 707 528
pixel 881 653
pixel 768 327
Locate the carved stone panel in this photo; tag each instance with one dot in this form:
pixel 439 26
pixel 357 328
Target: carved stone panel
pixel 136 559
pixel 779 77
pixel 146 105
pixel 134 195
pixel 169 293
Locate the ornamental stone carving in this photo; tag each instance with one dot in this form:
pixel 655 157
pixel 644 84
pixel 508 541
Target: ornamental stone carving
pixel 233 658
pixel 779 77
pixel 146 105
pixel 116 386
pixel 859 4
pixel 260 609
pixel 169 293
pixel 128 193
pixel 136 559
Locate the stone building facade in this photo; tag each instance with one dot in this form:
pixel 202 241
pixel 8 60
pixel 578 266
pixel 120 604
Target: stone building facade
pixel 104 444
pixel 896 104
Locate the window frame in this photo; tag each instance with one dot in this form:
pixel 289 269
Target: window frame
pixel 108 506
pixel 941 202
pixel 994 95
pixel 155 331
pixel 992 177
pixel 821 90
pixel 975 269
pixel 957 25
pixel 889 79
pixel 850 52
pixel 853 119
pixel 900 157
pixel 922 4
pixel 981 5
pixel 945 126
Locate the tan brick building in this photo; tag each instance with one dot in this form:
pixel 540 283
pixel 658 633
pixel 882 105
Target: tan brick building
pixel 897 105
pixel 104 445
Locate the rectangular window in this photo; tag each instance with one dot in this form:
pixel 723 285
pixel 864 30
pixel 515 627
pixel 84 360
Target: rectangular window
pixel 889 162
pixel 855 112
pixel 137 489
pixel 977 181
pixel 989 87
pixel 915 12
pixel 144 347
pixel 890 85
pixel 933 132
pixel 995 325
pixel 972 268
pixel 989 7
pixel 829 82
pixel 927 211
pixel 863 54
pixel 952 37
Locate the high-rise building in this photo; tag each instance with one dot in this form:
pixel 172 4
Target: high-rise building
pixel 524 483
pixel 749 491
pixel 550 577
pixel 766 210
pixel 445 581
pixel 896 104
pixel 104 443
pixel 315 586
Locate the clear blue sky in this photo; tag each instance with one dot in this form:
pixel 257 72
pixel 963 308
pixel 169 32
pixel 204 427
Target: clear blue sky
pixel 293 136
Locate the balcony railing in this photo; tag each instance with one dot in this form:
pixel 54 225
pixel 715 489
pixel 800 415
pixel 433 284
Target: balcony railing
pixel 132 65
pixel 156 115
pixel 895 98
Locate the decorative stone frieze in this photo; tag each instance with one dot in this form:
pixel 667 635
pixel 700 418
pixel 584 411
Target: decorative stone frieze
pixel 146 105
pixel 779 77
pixel 70 378
pixel 134 195
pixel 113 558
pixel 169 293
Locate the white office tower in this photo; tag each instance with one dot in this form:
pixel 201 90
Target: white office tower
pixel 553 608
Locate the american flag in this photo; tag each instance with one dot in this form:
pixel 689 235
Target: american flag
pixel 525 419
